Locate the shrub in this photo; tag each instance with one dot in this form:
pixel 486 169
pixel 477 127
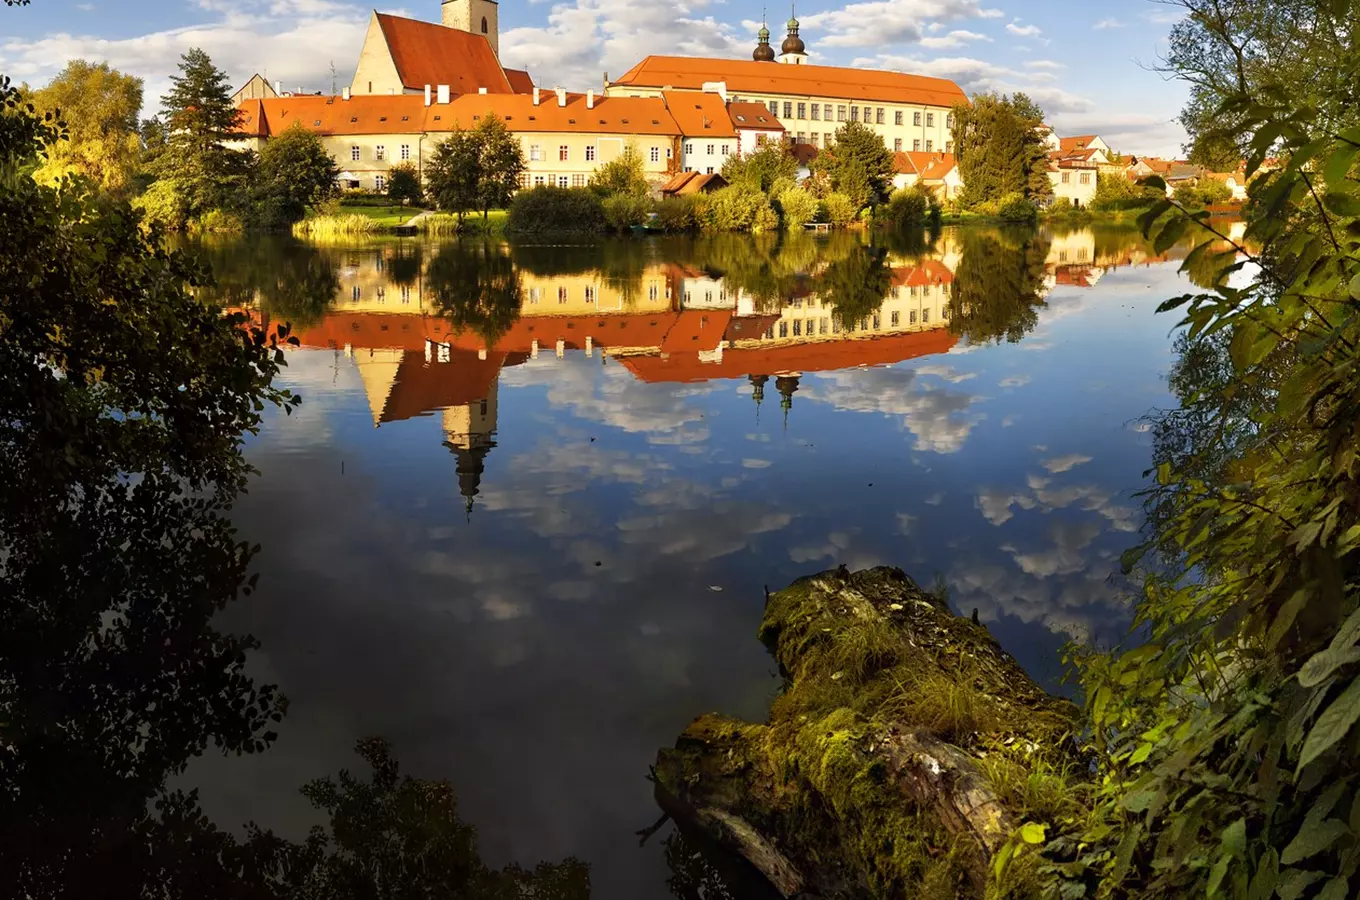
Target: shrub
pixel 218 221
pixel 1060 205
pixel 797 206
pixel 739 208
pixel 677 214
pixel 1207 192
pixel 1015 208
pixel 765 219
pixel 403 185
pixel 837 209
pixel 623 211
pixel 335 226
pixel 625 174
pixel 912 207
pixel 1115 192
pixel 545 210
pixel 163 205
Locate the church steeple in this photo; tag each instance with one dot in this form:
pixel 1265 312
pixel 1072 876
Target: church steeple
pixel 763 52
pixel 794 52
pixel 787 386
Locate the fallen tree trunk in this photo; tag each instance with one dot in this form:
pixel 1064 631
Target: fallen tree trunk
pixel 892 761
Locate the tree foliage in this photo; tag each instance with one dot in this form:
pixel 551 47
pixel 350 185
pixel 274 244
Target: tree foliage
pixel 858 164
pixel 624 174
pixel 502 163
pixel 403 184
pixel 199 119
pixel 453 176
pixel 856 285
pixel 100 106
pixel 998 286
pixel 1118 192
pixel 761 168
pixel 294 171
pixel 1000 150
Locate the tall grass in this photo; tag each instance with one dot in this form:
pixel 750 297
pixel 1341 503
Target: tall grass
pixel 335 226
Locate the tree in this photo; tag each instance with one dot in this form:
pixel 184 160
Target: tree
pixel 999 149
pixel 502 163
pixel 403 184
pixel 624 174
pixel 99 106
pixel 199 118
pixel 856 285
pixel 476 288
pixel 453 176
pixel 858 164
pixel 761 168
pixel 998 285
pixel 294 171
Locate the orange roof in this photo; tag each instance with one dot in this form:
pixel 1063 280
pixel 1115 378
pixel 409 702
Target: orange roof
pixel 744 76
pixel 520 82
pixel 938 169
pixel 699 115
pixel 912 162
pixel 802 356
pixel 930 271
pixel 426 53
pixel 361 114
pixel 754 116
pixel 610 115
pixel 252 119
pixel 693 183
pixel 1080 142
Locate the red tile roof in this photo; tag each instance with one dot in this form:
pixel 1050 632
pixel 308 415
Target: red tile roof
pixel 1080 142
pixel 750 77
pixel 699 115
pixel 426 53
pixel 938 169
pixel 912 162
pixel 748 116
pixel 361 114
pixel 693 183
pixel 520 82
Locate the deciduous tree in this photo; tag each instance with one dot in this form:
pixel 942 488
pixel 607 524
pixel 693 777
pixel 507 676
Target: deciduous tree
pixel 294 171
pixel 858 164
pixel 453 176
pixel 403 184
pixel 502 163
pixel 624 174
pixel 99 106
pixel 999 149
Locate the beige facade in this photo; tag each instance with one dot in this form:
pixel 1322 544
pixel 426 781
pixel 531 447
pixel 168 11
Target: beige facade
pixel 1076 184
pixel 475 16
pixel 569 159
pixel 376 72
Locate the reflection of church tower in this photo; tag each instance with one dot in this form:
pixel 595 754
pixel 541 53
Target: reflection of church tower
pixel 787 386
pixel 469 431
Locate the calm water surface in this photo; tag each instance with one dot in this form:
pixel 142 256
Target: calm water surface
pixel 522 524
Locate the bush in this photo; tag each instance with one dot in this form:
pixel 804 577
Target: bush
pixel 739 208
pixel 1015 208
pixel 163 206
pixel 1207 192
pixel 547 210
pixel 1114 192
pixel 1061 205
pixel 623 211
pixel 912 207
pixel 335 226
pixel 403 185
pixel 837 209
pixel 797 206
pixel 218 221
pixel 678 214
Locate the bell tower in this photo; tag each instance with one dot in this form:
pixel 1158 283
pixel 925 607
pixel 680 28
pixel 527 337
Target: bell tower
pixel 476 17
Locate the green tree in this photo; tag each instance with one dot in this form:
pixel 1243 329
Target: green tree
pixel 502 163
pixel 453 176
pixel 762 168
pixel 1118 192
pixel 998 286
pixel 199 118
pixel 294 171
pixel 858 164
pixel 856 285
pixel 99 106
pixel 476 288
pixel 999 149
pixel 624 174
pixel 403 184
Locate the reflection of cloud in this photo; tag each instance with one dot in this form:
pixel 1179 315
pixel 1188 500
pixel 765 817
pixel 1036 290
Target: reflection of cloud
pixel 945 373
pixel 1065 556
pixel 1085 606
pixel 755 464
pixel 906 523
pixel 995 504
pixel 1059 464
pixel 839 549
pixel 940 418
pixel 1014 381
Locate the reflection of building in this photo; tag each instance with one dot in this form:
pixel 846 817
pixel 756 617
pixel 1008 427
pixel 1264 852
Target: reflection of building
pixel 1075 258
pixel 469 431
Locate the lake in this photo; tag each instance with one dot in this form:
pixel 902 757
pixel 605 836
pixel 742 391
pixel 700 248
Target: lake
pixel 523 522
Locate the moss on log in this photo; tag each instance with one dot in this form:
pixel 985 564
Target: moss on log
pixel 904 749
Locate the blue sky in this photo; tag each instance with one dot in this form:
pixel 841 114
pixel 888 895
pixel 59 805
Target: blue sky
pixel 1086 62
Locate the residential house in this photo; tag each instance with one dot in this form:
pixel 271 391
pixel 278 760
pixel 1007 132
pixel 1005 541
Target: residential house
pixel 754 124
pixel 692 182
pixel 709 136
pixel 1074 179
pixel 937 171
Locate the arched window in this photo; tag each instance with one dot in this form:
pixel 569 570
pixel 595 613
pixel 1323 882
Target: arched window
pixel 483 24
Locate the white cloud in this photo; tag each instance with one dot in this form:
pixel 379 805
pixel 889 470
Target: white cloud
pixel 1014 381
pixel 940 418
pixel 879 22
pixel 952 39
pixel 1104 24
pixel 1024 30
pixel 1044 64
pixel 1066 463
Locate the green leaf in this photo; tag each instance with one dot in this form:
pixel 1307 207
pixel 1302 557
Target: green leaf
pixel 1172 232
pixel 1032 833
pixel 1354 288
pixel 999 864
pixel 1332 725
pixel 1342 204
pixel 1216 875
pixel 1336 889
pixel 1312 839
pixel 1348 635
pixel 1266 877
pixel 1131 557
pixel 1293 882
pixel 1141 754
pixel 1234 839
pixel 1324 663
pixel 1339 164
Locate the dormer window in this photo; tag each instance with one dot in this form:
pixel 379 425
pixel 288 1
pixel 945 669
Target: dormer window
pixel 353 119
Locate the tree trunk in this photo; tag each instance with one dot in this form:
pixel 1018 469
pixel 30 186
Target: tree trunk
pixel 871 776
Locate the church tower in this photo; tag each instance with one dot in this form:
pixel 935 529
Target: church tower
pixel 793 51
pixel 475 16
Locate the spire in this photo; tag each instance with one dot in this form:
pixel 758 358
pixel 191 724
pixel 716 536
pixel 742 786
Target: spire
pixel 763 52
pixel 758 392
pixel 793 44
pixel 787 386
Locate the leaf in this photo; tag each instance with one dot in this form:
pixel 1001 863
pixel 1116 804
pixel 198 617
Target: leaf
pixel 1130 557
pixel 1170 234
pixel 1141 754
pixel 1342 204
pixel 1234 839
pixel 1312 839
pixel 1324 663
pixel 1339 165
pixel 1336 889
pixel 1216 875
pixel 1332 725
pixel 1266 877
pixel 1032 833
pixel 1293 882
pixel 999 864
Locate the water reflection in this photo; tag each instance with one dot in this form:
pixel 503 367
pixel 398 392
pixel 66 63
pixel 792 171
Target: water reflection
pixel 522 524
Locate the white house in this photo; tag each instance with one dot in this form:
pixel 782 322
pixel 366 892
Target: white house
pixel 707 135
pixel 1074 179
pixel 754 124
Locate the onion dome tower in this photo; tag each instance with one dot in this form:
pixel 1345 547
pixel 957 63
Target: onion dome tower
pixel 763 52
pixel 793 51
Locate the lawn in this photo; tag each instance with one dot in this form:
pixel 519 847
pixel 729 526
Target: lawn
pixel 383 216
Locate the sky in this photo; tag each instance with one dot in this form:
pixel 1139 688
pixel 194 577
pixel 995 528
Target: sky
pixel 1089 63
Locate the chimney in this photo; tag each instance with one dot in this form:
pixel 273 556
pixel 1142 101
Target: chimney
pixel 481 90
pixel 605 86
pixel 344 93
pixel 427 95
pixel 535 95
pixel 442 93
pixel 278 88
pixel 590 99
pixel 561 96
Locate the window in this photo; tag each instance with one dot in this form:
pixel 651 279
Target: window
pixel 539 181
pixel 535 153
pixel 821 326
pixel 563 181
pixel 897 144
pixel 840 113
pixel 916 118
pixel 797 327
pixel 354 153
pixel 708 296
pixel 916 146
pixel 783 329
pixel 897 117
pixel 535 294
pixel 835 326
pixel 774 107
pixel 708 171
pixel 1085 178
pixel 668 153
pixel 911 317
pixel 590 293
pixel 710 149
pixel 948 146
pixel 651 292
pixel 1067 178
pixel 561 295
pixel 689 148
pixel 524 179
pixel 405 151
pixel 802 110
pixel 788 110
pixel 949 120
pixel 655 155
pixel 405 293
pixel 867 114
pixel 812 139
pixel 816 111
pixel 484 31
pixel 879 115
pixel 826 139
pixel 726 150
pixel 930 120
pixel 578 181
pixel 590 153
pixel 356 292
pixel 379 182
pixel 854 114
pixel 894 319
pixel 826 111
pixel 930 146
pixel 380 152
pixel 563 153
pixel 802 138
pixel 878 322
pixel 925 317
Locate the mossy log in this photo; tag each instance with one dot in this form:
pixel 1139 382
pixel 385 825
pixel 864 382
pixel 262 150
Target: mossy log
pixel 880 771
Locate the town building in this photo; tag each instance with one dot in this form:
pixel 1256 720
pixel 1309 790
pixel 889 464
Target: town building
pixel 939 172
pixel 255 88
pixel 401 56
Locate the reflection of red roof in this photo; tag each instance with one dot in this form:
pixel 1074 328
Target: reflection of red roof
pixel 744 328
pixel 426 53
pixel 1074 276
pixel 812 356
pixel 422 387
pixel 696 330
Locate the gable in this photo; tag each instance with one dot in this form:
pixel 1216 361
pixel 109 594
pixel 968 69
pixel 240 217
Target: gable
pixel 425 53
